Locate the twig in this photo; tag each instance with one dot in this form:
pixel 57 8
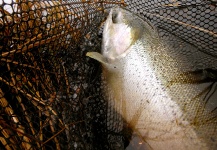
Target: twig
pixel 55 138
pixel 61 131
pixel 22 106
pixel 5 133
pixel 23 65
pixel 18 131
pixel 66 78
pixel 23 48
pixel 4 143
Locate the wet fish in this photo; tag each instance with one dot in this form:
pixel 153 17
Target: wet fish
pixel 153 87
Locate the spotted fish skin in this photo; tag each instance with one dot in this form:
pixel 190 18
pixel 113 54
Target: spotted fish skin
pixel 138 69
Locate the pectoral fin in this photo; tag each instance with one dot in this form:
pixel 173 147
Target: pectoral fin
pixel 97 56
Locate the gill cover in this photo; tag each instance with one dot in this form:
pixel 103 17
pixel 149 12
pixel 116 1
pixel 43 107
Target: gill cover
pixel 120 32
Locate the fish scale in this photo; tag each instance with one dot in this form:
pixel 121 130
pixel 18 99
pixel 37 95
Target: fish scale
pixel 153 87
pixel 150 109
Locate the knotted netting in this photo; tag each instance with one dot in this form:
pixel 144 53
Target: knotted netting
pixel 51 93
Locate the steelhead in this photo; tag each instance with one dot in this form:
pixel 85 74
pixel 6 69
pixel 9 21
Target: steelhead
pixel 153 87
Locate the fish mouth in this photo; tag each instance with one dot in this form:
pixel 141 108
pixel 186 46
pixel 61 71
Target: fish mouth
pixel 117 35
pixel 122 30
pixel 116 15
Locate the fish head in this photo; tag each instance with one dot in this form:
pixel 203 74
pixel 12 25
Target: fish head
pixel 122 29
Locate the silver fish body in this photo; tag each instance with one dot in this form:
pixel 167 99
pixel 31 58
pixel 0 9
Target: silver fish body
pixel 138 68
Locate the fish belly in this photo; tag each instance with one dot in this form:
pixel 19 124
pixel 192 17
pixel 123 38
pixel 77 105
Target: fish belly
pixel 149 108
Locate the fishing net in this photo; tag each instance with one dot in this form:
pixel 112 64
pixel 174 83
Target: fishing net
pixel 51 93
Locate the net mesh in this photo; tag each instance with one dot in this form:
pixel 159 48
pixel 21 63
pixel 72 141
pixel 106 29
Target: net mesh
pixel 51 93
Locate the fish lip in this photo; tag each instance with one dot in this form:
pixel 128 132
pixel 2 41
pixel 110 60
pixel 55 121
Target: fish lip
pixel 114 20
pixel 132 31
pixel 116 16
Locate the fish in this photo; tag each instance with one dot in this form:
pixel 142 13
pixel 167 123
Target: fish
pixel 154 89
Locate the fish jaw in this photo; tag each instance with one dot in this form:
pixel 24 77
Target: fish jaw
pixel 117 37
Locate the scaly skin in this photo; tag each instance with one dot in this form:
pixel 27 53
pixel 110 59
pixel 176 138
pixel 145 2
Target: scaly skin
pixel 138 67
